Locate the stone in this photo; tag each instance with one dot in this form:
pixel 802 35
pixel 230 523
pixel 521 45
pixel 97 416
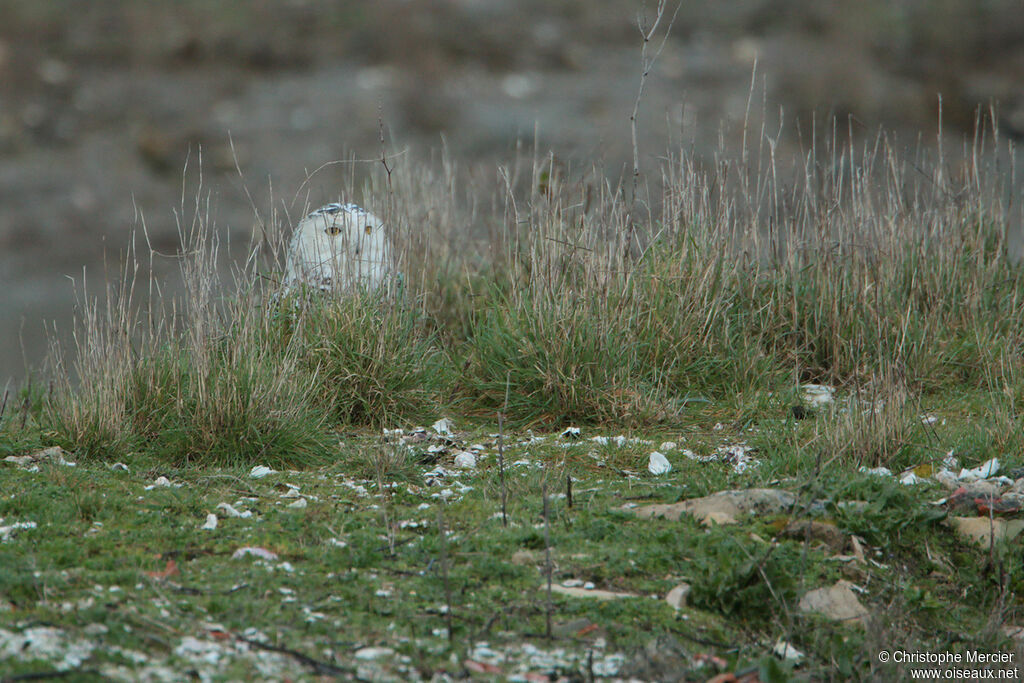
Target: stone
pixel 724 507
pixel 658 464
pixel 838 602
pixel 677 596
pixel 982 529
pixel 595 593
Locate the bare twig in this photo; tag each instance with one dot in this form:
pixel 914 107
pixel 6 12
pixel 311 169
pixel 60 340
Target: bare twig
pixel 501 457
pixel 264 240
pixel 24 411
pixel 385 493
pixel 647 63
pixel 318 665
pixel 383 156
pixel 501 469
pixel 547 560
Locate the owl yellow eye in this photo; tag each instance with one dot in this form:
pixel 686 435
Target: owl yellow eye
pixel 332 230
pixel 369 229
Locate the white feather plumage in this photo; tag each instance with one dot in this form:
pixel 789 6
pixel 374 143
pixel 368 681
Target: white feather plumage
pixel 340 248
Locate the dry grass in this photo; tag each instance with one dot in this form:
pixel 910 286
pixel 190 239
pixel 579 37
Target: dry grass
pixel 556 292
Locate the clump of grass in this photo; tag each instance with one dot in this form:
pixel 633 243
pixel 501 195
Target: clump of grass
pixel 578 305
pixel 196 384
pixel 592 318
pixel 736 576
pixel 383 462
pixel 374 362
pixel 877 268
pixel 245 411
pixel 874 427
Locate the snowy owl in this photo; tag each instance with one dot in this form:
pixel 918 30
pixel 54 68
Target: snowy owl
pixel 340 248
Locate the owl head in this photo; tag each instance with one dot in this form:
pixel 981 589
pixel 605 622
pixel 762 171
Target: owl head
pixel 340 248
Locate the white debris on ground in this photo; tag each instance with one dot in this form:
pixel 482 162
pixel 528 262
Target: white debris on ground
pixel 231 511
pixel 620 440
pixel 986 470
pixel 162 482
pixel 260 471
pixel 787 652
pixel 47 644
pixel 950 474
pixel 217 653
pixel 254 551
pixel 465 460
pixel 981 503
pixel 518 661
pixel 443 427
pixel 658 464
pixel 817 395
pixel 737 455
pixel 8 531
pixel 53 455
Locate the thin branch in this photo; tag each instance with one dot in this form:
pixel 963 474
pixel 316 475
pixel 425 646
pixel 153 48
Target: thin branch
pixel 647 63
pixel 319 666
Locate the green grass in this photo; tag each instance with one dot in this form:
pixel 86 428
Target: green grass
pixel 100 532
pixel 693 328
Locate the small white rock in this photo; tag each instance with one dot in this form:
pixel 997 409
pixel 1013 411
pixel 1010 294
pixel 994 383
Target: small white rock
pixel 667 446
pixel 7 531
pixel 211 522
pixel 260 471
pixel 255 551
pixel 230 511
pixel 298 504
pixel 465 460
pixel 910 479
pixel 877 471
pixel 162 481
pixel 678 595
pixel 374 653
pixel 658 464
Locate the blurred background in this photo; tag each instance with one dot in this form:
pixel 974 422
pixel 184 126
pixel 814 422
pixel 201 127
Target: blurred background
pixel 103 103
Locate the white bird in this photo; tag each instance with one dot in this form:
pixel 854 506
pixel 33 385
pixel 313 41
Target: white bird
pixel 339 248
